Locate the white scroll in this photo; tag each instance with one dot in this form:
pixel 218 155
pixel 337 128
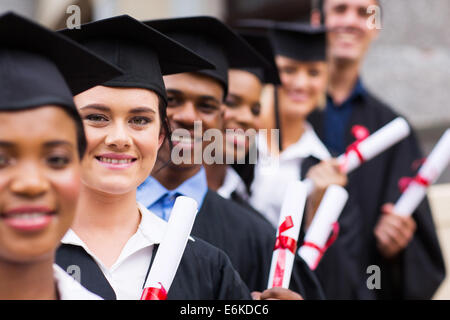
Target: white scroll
pixel 373 145
pixel 430 171
pixel 171 249
pixel 318 233
pixel 287 235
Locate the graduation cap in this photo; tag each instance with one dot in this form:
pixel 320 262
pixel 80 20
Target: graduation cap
pixel 212 39
pixel 261 43
pixel 40 67
pixel 142 53
pixel 291 39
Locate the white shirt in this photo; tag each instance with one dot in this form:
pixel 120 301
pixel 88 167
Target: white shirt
pixel 127 275
pixel 232 183
pixel 69 288
pixel 272 175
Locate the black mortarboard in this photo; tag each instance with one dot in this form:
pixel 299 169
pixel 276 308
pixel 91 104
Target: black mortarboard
pixel 143 53
pixel 291 39
pixel 261 43
pixel 40 67
pixel 212 39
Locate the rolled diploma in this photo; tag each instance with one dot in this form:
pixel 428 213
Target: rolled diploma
pixel 378 142
pixel 431 169
pixel 293 205
pixel 329 210
pixel 174 242
pixel 373 145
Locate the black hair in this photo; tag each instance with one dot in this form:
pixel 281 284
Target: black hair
pixel 165 125
pixel 81 135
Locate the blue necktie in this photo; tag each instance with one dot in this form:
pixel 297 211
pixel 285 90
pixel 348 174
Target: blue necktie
pixel 168 200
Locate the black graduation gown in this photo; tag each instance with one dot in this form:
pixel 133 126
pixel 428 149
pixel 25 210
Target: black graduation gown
pixel 339 271
pixel 248 239
pixel 204 273
pixel 418 271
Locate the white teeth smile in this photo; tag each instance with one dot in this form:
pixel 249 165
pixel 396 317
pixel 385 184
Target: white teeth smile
pixel 115 161
pixel 30 215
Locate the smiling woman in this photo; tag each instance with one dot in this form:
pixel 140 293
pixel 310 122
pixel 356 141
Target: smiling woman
pixel 123 140
pixel 39 178
pixel 41 144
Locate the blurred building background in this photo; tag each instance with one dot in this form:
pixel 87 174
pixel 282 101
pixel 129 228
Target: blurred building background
pixel 408 66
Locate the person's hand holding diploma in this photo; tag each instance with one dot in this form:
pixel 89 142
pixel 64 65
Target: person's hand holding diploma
pixel 393 232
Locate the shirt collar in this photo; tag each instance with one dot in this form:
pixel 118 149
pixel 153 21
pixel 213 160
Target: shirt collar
pixel 309 144
pixel 150 191
pixel 231 183
pixel 151 230
pixel 151 227
pixel 72 238
pixel 359 91
pixel 196 187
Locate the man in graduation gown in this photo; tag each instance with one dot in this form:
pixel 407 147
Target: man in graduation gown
pixel 245 236
pixel 406 249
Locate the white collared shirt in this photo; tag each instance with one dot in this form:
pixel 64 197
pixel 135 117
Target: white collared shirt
pixel 272 175
pixel 127 275
pixel 232 183
pixel 69 288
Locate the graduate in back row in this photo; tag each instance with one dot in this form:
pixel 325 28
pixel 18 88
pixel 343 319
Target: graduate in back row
pixel 41 144
pixel 406 249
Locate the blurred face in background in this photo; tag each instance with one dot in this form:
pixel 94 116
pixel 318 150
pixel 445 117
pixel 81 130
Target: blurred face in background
pixel 303 86
pixel 349 36
pixel 39 182
pixel 242 110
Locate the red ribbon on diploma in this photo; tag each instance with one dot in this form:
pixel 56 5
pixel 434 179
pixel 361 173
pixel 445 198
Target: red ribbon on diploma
pixel 404 182
pixel 331 240
pixel 283 243
pixel 152 293
pixel 360 133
